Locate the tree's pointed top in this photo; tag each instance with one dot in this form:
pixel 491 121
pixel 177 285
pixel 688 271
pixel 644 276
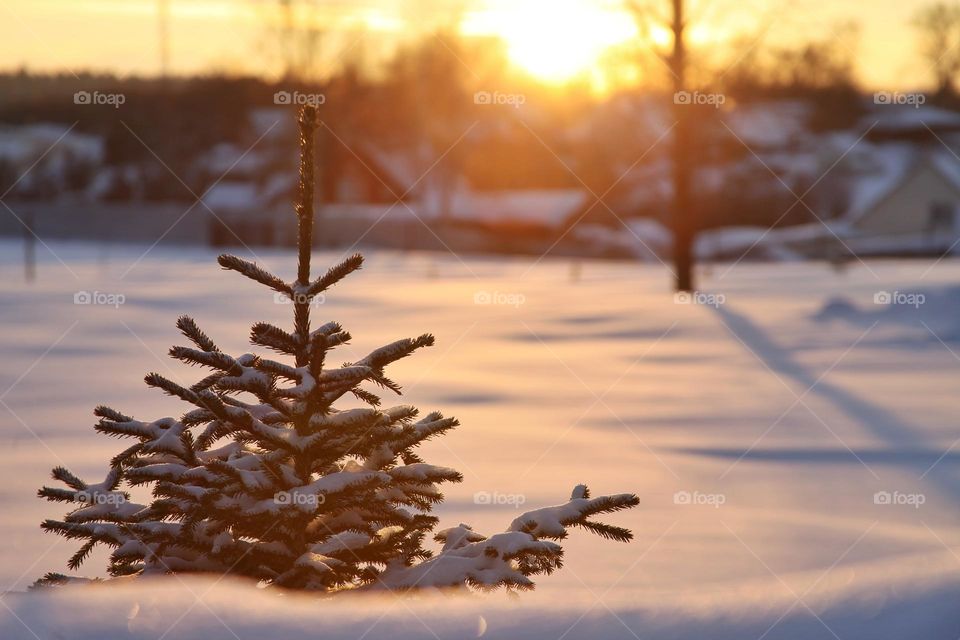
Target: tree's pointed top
pixel 308 126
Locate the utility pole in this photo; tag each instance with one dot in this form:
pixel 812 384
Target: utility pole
pixel 163 33
pixel 683 219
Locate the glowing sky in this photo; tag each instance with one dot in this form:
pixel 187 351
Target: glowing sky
pixel 550 38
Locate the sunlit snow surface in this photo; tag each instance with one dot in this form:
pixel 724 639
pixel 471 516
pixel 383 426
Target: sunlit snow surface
pixel 777 415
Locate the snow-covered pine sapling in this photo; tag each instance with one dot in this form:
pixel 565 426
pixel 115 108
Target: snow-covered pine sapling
pixel 264 478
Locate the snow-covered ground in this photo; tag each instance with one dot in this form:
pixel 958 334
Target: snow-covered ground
pixel 764 425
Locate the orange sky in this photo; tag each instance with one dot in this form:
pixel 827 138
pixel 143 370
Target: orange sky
pixel 121 35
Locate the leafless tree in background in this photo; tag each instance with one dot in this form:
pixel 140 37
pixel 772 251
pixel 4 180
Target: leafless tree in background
pixel 683 218
pixel 687 74
pixel 294 36
pixel 939 28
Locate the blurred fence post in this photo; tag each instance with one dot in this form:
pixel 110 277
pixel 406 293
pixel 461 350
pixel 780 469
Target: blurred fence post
pixel 29 249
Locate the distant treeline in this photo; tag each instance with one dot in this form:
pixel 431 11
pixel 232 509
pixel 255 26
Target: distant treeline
pixel 426 97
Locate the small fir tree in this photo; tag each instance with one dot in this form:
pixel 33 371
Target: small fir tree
pixel 263 478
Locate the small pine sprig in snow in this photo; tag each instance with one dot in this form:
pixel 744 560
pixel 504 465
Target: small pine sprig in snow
pixel 264 477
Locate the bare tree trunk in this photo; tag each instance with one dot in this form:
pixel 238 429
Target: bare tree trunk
pixel 683 219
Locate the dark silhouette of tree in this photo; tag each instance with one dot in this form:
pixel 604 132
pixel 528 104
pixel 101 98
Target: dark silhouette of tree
pixel 683 219
pixel 939 28
pixel 265 478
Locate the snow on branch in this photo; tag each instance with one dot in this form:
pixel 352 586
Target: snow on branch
pixel 254 272
pixel 264 477
pixel 553 522
pixel 509 559
pixel 335 274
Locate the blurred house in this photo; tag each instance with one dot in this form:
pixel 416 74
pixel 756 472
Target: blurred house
pixel 898 190
pixel 887 186
pixel 775 125
pixel 404 197
pixel 368 189
pixel 238 215
pixel 251 184
pixel 911 208
pixel 528 221
pixel 923 124
pixel 401 196
pixel 638 238
pixel 41 159
pixel 890 187
pixel 896 200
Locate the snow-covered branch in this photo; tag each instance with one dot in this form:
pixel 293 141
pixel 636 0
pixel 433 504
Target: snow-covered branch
pixel 263 477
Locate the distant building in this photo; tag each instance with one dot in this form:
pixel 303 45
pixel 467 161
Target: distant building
pixel 924 124
pixel 38 160
pixel 238 215
pixel 913 209
pixel 904 202
pixel 403 197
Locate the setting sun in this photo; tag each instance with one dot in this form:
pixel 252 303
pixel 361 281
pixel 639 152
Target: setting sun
pixel 554 41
